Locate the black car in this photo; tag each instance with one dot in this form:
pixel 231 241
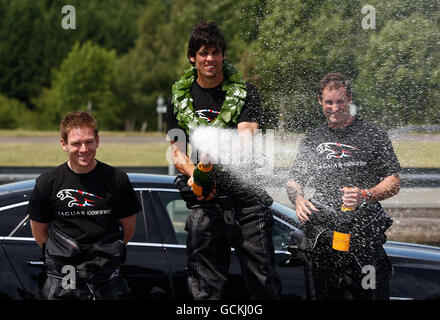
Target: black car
pixel 155 266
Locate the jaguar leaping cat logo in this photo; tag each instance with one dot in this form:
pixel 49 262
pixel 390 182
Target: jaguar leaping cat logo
pixel 207 114
pixel 336 150
pixel 77 197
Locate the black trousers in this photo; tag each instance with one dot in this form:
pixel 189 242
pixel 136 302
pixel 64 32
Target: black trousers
pixel 363 274
pixel 111 289
pixel 209 248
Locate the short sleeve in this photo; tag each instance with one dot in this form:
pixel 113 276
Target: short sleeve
pixel 302 169
pixel 251 111
pixel 171 117
pixel 174 131
pixel 39 205
pixel 386 162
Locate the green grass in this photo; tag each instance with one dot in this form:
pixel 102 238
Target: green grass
pixel 418 154
pixel 114 154
pixel 52 133
pixel 51 154
pixel 133 154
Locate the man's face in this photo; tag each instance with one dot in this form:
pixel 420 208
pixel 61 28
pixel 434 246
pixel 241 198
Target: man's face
pixel 209 63
pixel 81 147
pixel 336 107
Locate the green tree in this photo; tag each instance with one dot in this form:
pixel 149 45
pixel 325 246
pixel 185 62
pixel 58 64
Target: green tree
pixel 240 22
pixel 33 42
pixel 394 10
pixel 298 43
pixel 399 81
pixel 148 70
pixel 84 81
pixel 13 114
pixel 22 41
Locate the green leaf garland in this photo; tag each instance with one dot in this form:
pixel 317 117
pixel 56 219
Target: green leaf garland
pixel 234 86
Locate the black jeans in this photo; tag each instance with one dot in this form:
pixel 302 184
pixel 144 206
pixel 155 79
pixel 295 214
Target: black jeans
pixel 209 249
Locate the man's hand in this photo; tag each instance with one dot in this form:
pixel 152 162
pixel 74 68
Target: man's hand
pixel 388 187
pixel 304 208
pixel 129 226
pixel 202 198
pixel 352 196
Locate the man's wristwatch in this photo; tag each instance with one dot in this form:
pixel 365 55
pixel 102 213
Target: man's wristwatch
pixel 366 196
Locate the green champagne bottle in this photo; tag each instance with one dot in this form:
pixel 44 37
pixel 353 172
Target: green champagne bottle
pixel 203 183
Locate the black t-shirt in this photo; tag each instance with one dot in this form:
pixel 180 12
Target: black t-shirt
pixel 85 207
pixel 359 155
pixel 208 103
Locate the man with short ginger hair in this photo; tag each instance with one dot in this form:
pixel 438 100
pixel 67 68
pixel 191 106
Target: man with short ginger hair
pixel 83 213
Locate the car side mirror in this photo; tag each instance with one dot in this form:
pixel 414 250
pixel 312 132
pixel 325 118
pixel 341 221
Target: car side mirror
pixel 296 257
pixel 296 236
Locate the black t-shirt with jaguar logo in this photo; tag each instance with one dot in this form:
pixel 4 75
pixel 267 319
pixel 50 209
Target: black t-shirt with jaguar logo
pixel 359 155
pixel 208 103
pixel 87 206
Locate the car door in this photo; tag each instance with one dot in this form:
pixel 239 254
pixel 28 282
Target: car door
pixel 17 279
pixel 175 212
pixel 145 270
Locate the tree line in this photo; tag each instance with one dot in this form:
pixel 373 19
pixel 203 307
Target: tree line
pixel 123 55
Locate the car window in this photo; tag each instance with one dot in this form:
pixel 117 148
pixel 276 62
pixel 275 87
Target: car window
pixel 139 232
pixel 280 235
pixel 11 214
pixel 24 230
pixel 177 212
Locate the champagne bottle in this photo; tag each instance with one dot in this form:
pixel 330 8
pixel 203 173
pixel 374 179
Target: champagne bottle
pixel 341 236
pixel 341 239
pixel 203 183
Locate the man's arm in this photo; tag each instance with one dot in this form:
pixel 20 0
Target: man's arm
pixel 245 132
pixel 128 224
pixel 40 231
pixel 181 160
pixel 387 188
pixel 294 191
pixel 184 164
pixel 247 127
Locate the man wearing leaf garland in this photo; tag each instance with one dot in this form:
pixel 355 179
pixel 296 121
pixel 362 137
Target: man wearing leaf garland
pixel 213 93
